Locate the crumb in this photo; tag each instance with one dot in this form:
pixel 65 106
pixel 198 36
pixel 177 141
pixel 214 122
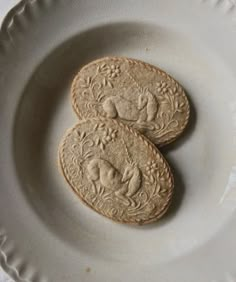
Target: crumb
pixel 147 49
pixel 88 269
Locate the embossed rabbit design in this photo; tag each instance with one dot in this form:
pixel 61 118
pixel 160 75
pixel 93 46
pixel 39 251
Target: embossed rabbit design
pixel 145 110
pixel 102 172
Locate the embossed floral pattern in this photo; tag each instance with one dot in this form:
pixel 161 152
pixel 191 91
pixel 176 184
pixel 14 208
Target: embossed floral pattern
pixel 155 176
pixel 86 82
pixel 92 88
pixel 179 107
pixel 81 139
pixel 162 87
pixel 136 93
pixel 108 135
pixel 151 167
pixel 110 71
pixel 170 98
pixel 136 187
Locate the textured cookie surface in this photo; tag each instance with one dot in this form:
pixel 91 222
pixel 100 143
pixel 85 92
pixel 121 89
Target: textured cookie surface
pixel 116 171
pixel 138 94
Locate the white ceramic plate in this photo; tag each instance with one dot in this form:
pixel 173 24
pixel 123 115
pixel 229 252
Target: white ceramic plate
pixel 46 233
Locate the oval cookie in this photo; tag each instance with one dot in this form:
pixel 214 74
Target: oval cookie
pixel 116 171
pixel 138 94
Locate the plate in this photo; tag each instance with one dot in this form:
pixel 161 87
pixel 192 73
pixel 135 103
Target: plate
pixel 46 233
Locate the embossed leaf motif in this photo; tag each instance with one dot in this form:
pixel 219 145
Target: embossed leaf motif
pixel 98 126
pixel 176 105
pixel 180 107
pixel 78 152
pixel 107 135
pixel 109 73
pixel 169 96
pixel 153 176
pixel 135 93
pixel 131 188
pixel 86 82
pixel 92 87
pixel 106 82
pixel 102 146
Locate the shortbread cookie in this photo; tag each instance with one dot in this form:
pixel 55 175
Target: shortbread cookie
pixel 116 171
pixel 138 94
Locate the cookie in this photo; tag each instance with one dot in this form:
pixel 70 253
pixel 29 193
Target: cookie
pixel 116 171
pixel 136 93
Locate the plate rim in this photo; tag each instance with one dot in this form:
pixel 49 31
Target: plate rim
pixel 8 23
pixel 13 271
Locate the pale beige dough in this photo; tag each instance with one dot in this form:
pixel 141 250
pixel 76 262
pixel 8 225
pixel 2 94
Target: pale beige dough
pixel 116 171
pixel 136 93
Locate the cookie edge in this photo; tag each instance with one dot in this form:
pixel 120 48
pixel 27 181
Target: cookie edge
pixel 147 66
pixel 156 153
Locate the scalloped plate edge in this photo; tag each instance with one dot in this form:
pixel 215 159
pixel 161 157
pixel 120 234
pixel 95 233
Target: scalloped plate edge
pixel 16 268
pixel 14 271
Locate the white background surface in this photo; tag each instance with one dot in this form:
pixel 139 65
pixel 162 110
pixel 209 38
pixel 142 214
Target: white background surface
pixel 193 221
pixel 5 5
